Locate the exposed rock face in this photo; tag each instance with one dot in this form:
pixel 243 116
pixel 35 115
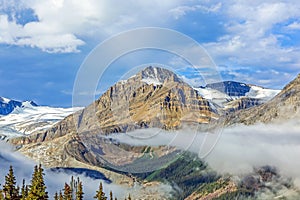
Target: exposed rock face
pixel 241 104
pixel 284 106
pixel 231 88
pixel 154 97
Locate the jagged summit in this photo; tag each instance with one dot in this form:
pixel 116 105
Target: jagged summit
pixel 158 75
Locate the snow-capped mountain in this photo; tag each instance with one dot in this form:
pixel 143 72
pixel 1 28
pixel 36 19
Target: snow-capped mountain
pixel 222 93
pixel 8 105
pixel 26 117
pixel 237 90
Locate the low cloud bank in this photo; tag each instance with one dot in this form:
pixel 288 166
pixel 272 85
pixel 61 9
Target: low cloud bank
pixel 242 147
pixel 238 149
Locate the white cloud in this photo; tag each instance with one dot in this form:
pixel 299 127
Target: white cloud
pixel 239 149
pixel 257 145
pixel 180 11
pixel 62 24
pixel 251 37
pixel 294 26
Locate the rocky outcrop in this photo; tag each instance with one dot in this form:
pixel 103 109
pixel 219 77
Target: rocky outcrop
pixel 241 104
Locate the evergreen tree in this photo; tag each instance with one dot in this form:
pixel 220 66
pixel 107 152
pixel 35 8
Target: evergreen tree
pixel 1 194
pixel 61 197
pixel 72 186
pixel 67 192
pixel 10 190
pixel 56 196
pixel 24 190
pixel 42 187
pixel 100 195
pixel 79 191
pixel 111 196
pixel 37 188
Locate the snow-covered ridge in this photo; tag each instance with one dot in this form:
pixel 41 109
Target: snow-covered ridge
pixel 27 119
pixel 262 93
pixel 228 91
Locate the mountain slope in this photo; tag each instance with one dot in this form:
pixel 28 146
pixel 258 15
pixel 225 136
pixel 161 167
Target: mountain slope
pixel 154 97
pixel 283 106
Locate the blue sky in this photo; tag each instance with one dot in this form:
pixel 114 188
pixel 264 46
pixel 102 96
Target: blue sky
pixel 43 43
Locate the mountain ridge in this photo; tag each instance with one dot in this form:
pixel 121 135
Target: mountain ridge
pixel 285 105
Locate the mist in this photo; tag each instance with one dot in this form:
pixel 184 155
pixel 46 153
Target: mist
pixel 235 150
pixel 55 180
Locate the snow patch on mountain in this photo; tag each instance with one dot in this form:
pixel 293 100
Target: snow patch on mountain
pixel 215 97
pixel 4 100
pixel 153 81
pixel 212 93
pixel 27 119
pixel 223 92
pixel 262 93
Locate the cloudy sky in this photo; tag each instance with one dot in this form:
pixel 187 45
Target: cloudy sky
pixel 44 43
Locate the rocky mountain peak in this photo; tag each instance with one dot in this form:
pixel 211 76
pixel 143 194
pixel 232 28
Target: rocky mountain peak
pixel 158 74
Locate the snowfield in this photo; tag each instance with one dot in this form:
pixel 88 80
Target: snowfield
pixel 28 119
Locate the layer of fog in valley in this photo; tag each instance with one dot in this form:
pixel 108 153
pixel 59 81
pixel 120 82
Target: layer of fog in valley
pixel 236 150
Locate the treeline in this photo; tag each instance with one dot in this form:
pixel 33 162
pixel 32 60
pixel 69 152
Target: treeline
pixel 37 189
